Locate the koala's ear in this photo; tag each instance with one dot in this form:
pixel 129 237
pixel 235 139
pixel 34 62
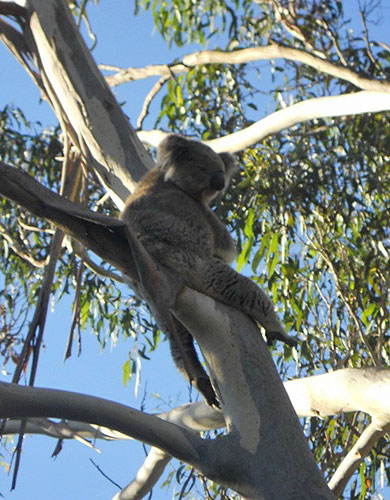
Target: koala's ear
pixel 231 166
pixel 172 150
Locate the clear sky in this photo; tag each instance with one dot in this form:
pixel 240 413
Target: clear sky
pixel 124 41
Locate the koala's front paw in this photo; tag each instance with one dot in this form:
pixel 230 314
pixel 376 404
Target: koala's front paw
pixel 272 336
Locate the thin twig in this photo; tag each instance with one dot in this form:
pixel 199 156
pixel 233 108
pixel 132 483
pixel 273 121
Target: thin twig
pixel 368 43
pixel 331 35
pixel 104 474
pixel 149 98
pixel 22 253
pixel 76 314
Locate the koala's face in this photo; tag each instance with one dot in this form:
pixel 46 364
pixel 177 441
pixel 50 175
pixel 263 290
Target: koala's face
pixel 192 166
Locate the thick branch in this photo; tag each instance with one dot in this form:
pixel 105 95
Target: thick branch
pixel 147 476
pixel 345 390
pixel 12 9
pixel 73 80
pixel 350 389
pixel 311 109
pixel 355 456
pixel 19 401
pixel 250 55
pixel 98 232
pixel 251 395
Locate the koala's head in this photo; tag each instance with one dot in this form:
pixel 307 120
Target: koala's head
pixel 194 167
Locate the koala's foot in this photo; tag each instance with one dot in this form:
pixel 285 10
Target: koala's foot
pixel 280 335
pixel 204 386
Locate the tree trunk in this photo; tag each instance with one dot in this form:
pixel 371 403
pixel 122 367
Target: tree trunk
pixel 265 455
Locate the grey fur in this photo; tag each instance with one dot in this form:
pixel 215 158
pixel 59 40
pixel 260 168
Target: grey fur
pixel 170 214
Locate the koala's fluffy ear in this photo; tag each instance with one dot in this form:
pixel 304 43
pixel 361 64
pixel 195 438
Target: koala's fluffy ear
pixel 231 166
pixel 172 150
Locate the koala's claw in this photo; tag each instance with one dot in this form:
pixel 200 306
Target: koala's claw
pixel 272 336
pixel 204 386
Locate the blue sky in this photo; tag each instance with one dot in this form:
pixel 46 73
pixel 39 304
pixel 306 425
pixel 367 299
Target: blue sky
pixel 124 41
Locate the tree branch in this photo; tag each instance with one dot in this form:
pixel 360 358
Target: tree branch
pixel 311 109
pixel 358 389
pixel 19 401
pixel 355 456
pixel 366 390
pixel 149 98
pixel 252 54
pixel 84 100
pixel 193 416
pixel 349 389
pixel 12 9
pixel 19 248
pixel 102 234
pixel 63 430
pixel 346 390
pixel 147 476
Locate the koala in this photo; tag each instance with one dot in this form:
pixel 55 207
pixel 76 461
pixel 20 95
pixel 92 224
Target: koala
pixel 170 214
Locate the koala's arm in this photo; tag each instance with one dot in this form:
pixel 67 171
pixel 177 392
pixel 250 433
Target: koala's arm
pixel 219 281
pixel 224 247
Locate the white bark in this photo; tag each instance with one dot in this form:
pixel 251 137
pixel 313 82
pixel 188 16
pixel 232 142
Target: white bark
pixel 243 56
pixel 63 430
pixel 147 476
pixel 311 109
pixel 355 456
pixel 83 100
pixel 350 389
pixel 365 389
pixel 258 413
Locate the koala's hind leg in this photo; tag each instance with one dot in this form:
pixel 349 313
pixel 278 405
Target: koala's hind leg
pixel 219 281
pixel 195 372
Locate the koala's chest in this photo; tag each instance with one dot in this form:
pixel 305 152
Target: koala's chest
pixel 189 232
pixel 180 227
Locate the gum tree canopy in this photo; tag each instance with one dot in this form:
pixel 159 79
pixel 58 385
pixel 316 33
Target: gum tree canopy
pixel 300 92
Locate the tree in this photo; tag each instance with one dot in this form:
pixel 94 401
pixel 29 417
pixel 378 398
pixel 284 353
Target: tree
pixel 315 214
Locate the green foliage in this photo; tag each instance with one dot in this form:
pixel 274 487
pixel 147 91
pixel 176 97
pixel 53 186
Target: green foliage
pixel 101 306
pixel 185 21
pixel 204 113
pixel 25 241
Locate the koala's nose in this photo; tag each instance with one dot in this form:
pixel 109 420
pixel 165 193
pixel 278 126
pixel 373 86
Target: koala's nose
pixel 217 181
